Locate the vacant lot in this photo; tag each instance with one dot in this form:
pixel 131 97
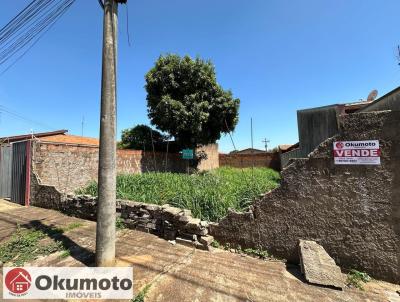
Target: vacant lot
pixel 208 195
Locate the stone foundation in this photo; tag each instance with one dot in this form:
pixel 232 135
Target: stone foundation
pixel 168 222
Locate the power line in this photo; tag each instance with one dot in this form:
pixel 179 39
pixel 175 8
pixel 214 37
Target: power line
pixel 21 117
pixel 101 4
pixel 28 27
pixel 127 25
pixel 20 39
pixel 27 50
pixel 229 132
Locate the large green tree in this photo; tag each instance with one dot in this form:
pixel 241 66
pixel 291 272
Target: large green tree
pixel 185 100
pixel 140 138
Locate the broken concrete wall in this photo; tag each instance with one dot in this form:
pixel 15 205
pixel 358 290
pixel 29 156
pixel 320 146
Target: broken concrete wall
pixel 352 211
pixel 165 221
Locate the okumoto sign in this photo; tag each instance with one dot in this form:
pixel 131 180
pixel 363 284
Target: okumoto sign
pixel 67 283
pixel 357 152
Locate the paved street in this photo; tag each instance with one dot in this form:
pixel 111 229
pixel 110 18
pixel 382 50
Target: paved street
pixel 179 273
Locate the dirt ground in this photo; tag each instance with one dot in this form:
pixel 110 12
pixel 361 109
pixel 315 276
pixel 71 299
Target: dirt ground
pixel 179 273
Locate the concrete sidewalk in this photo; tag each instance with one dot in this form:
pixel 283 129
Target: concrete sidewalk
pixel 179 273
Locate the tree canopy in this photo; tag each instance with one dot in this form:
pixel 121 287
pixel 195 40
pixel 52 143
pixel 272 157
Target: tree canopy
pixel 139 138
pixel 185 100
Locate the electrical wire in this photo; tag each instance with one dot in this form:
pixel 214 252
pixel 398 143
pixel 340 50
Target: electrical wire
pixel 25 37
pixel 21 117
pixel 101 4
pixel 127 25
pixel 28 27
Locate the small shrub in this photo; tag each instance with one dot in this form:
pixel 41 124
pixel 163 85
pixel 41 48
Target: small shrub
pixel 119 224
pixel 357 278
pixel 215 244
pixel 142 294
pixel 65 254
pixel 256 253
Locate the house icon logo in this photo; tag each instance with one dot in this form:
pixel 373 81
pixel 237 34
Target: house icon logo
pixel 18 281
pixel 339 145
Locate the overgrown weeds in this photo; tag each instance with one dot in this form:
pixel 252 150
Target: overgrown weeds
pixel 119 224
pixel 357 279
pixel 24 246
pixel 28 244
pixel 253 252
pixel 142 294
pixel 208 195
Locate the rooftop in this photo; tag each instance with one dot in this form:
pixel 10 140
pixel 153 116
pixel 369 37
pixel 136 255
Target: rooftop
pixel 58 136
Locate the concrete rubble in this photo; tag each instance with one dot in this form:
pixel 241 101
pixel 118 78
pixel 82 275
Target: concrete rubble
pixel 168 222
pixel 318 267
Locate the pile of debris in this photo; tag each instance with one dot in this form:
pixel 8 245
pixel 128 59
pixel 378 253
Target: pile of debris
pixel 171 223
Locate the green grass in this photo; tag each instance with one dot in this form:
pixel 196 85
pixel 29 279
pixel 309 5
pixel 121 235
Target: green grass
pixel 67 228
pixel 208 195
pixel 142 294
pixel 65 254
pixel 119 224
pixel 25 246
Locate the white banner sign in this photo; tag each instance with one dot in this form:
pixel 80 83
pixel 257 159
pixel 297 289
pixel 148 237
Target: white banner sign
pixel 67 283
pixel 357 152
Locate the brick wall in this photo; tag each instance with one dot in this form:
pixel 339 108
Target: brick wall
pixel 212 161
pixel 269 160
pixel 69 167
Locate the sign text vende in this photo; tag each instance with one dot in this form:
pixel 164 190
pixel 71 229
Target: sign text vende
pixel 357 152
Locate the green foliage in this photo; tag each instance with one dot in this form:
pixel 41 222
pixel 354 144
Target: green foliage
pixel 63 229
pixel 357 278
pixel 208 195
pixel 185 100
pixel 65 254
pixel 142 294
pixel 119 223
pixel 139 138
pixel 256 253
pixel 25 246
pixel 216 244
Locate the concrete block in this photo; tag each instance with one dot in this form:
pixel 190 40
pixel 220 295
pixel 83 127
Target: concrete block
pixel 185 242
pixel 206 240
pixel 318 267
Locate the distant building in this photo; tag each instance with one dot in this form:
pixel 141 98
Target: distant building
pixel 248 151
pixel 59 136
pixel 287 148
pixel 315 125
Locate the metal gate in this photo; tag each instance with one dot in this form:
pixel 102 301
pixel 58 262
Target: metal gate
pixel 20 172
pixel 5 170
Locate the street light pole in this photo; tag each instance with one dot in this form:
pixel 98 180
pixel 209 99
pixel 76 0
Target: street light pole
pixel 105 231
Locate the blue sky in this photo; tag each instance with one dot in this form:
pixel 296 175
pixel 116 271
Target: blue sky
pixel 276 56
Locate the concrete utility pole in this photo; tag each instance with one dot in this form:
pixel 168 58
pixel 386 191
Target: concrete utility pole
pixel 105 232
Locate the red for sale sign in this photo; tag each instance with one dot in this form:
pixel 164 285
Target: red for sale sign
pixel 357 152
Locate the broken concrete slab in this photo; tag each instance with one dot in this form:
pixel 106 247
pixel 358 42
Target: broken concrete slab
pixel 318 267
